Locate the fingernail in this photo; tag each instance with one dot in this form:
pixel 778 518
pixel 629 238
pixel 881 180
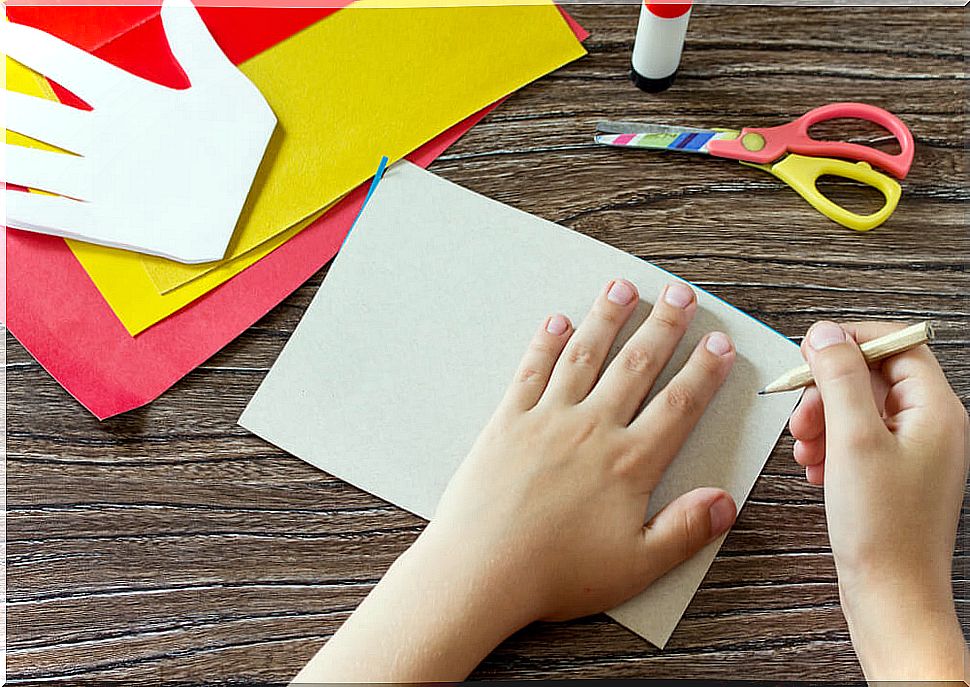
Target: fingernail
pixel 679 295
pixel 557 325
pixel 621 293
pixel 718 344
pixel 825 334
pixel 722 516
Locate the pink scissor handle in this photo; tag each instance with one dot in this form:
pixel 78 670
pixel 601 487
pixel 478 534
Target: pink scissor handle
pixel 764 146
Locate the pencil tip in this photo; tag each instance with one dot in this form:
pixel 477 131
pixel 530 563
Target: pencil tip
pixel 761 393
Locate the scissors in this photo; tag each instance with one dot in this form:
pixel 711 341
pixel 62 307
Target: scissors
pixel 791 154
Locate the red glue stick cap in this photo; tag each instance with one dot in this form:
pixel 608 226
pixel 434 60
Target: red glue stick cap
pixel 668 10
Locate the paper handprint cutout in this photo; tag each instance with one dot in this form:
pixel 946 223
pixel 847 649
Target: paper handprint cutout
pixel 155 170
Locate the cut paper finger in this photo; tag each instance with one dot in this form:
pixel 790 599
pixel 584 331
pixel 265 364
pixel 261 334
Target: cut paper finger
pixel 63 127
pixel 328 140
pixel 161 171
pixel 65 175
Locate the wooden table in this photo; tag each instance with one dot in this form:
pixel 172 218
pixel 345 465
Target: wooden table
pixel 170 544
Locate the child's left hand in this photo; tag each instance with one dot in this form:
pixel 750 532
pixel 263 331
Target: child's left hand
pixel 544 518
pixel 553 495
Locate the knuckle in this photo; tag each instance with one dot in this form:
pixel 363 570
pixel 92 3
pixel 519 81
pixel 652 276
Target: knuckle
pixel 709 364
pixel 580 355
pixel 681 399
pixel 530 375
pixel 690 534
pixel 542 346
pixel 639 360
pixel 666 320
pixel 628 463
pixel 605 314
pixel 585 428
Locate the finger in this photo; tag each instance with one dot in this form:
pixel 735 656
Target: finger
pixel 60 173
pixel 916 388
pixel 811 452
pixel 842 378
pixel 808 421
pixel 815 474
pixel 58 125
pixel 685 526
pixel 631 375
pixel 584 355
pixel 916 379
pixel 47 214
pixel 669 418
pixel 918 364
pixel 83 74
pixel 192 45
pixel 536 365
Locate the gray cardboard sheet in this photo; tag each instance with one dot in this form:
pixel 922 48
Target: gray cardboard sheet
pixel 417 329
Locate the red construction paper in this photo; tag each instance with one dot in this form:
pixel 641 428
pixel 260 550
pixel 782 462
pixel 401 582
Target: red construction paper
pixel 91 27
pixel 135 40
pixel 133 37
pixel 59 316
pixel 57 313
pixel 86 26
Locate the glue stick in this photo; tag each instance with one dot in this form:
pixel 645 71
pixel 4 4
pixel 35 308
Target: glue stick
pixel 659 43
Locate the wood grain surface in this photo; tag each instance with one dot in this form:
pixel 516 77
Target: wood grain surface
pixel 169 544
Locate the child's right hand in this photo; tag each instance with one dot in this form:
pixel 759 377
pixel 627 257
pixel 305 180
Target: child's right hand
pixel 891 447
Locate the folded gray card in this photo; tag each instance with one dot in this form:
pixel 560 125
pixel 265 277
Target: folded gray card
pixel 416 331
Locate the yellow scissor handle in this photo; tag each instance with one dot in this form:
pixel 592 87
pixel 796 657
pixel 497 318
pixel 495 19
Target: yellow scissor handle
pixel 802 174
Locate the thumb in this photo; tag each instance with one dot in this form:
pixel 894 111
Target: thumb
pixel 193 47
pixel 842 377
pixel 685 526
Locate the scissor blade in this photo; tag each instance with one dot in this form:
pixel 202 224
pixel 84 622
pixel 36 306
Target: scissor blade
pixel 694 141
pixel 611 127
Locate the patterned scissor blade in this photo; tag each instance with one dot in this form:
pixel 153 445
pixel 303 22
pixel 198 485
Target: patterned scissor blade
pixel 652 141
pixel 659 136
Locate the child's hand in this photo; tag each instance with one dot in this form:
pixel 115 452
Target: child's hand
pixel 552 498
pixel 890 445
pixel 544 519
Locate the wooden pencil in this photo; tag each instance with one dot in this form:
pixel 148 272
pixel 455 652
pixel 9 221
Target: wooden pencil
pixel 873 351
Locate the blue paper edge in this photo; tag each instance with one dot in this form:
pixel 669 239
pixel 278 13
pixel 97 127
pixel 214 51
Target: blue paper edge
pixel 378 175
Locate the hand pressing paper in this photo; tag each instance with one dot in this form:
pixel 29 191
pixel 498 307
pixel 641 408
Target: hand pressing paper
pixel 154 169
pixel 416 331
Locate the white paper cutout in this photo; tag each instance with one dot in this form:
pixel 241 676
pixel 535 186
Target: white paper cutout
pixel 156 170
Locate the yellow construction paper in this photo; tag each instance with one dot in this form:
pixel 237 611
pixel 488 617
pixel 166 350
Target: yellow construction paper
pixel 367 82
pixel 22 80
pixel 134 298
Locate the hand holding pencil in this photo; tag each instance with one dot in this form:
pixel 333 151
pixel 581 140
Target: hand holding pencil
pixel 890 445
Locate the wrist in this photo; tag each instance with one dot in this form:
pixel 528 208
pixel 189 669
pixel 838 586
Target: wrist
pixel 874 596
pixel 903 632
pixel 492 596
pixel 436 616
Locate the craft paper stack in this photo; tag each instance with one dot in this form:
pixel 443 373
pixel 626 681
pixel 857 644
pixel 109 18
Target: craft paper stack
pixel 116 328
